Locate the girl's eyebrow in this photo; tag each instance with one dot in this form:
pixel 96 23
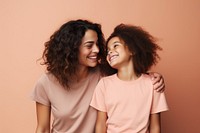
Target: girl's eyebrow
pixel 113 43
pixel 116 42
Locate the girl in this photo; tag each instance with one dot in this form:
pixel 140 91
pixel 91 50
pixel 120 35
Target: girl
pixel 126 101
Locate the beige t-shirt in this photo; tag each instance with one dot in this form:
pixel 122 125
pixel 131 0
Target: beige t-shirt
pixel 128 103
pixel 70 109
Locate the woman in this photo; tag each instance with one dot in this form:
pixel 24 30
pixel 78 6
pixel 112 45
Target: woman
pixel 76 60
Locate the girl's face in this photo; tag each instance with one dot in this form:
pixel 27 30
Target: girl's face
pixel 88 49
pixel 118 53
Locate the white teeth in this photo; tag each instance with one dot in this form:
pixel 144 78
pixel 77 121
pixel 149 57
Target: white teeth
pixel 112 57
pixel 93 57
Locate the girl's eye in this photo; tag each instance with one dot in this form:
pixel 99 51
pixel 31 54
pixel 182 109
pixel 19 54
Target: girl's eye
pixel 115 45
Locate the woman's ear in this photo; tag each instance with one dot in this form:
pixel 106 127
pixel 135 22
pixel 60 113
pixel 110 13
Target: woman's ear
pixel 132 53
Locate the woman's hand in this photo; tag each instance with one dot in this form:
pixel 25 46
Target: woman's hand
pixel 158 81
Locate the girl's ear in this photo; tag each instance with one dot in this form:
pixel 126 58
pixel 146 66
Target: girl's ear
pixel 132 53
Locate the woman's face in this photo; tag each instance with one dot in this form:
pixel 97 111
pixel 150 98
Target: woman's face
pixel 88 50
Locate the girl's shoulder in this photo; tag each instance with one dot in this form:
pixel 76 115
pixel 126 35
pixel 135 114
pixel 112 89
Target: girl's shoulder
pixel 109 78
pixel 146 76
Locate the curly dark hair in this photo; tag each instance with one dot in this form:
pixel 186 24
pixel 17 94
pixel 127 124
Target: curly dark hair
pixel 142 45
pixel 61 51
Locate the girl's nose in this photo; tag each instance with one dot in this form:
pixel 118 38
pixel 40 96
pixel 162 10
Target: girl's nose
pixel 109 52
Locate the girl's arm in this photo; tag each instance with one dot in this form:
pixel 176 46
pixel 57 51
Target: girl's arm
pixel 43 118
pixel 154 126
pixel 101 122
pixel 158 81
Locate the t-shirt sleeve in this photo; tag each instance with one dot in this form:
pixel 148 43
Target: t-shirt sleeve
pixel 39 93
pixel 98 99
pixel 159 103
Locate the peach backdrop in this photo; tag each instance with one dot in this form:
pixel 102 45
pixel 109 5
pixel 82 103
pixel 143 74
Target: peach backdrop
pixel 25 26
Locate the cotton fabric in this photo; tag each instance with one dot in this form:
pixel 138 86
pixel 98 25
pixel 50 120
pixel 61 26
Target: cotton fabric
pixel 70 108
pixel 128 103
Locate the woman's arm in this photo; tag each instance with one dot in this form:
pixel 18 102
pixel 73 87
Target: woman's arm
pixel 43 118
pixel 158 81
pixel 101 122
pixel 154 126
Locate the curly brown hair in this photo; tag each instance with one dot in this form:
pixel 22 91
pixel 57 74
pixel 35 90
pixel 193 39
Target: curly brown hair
pixel 61 51
pixel 142 45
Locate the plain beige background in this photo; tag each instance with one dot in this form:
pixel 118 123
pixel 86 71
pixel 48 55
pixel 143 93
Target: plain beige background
pixel 26 24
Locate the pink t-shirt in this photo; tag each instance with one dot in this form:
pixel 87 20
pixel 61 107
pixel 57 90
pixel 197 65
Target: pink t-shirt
pixel 70 109
pixel 128 103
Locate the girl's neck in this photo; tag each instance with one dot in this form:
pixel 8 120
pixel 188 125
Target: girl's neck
pixel 127 73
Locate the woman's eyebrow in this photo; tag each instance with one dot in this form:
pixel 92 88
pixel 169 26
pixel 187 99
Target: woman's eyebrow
pixel 88 42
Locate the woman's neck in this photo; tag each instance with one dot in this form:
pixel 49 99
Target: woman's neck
pixel 81 74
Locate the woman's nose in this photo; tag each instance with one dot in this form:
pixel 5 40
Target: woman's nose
pixel 95 48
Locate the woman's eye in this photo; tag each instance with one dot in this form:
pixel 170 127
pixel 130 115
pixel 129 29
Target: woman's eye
pixel 89 45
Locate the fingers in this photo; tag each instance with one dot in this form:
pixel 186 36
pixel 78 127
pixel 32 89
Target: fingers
pixel 158 82
pixel 156 78
pixel 159 85
pixel 160 88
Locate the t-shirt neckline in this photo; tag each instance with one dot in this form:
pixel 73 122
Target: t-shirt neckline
pixel 127 81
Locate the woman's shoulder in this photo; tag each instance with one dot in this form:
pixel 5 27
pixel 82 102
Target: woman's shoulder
pixel 46 78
